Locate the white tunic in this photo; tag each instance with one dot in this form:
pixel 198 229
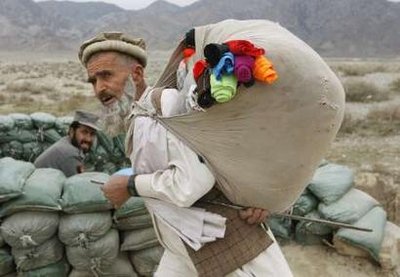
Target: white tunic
pixel 170 171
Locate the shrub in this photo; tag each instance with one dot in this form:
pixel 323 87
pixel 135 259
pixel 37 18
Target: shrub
pixel 395 85
pixel 361 91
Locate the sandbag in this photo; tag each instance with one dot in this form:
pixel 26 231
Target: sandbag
pixel 121 268
pixel 330 182
pixel 348 209
pixel 13 149
pixel 6 123
pixel 146 261
pixel 134 222
pixel 83 229
pixel 2 242
pixel 28 229
pixel 13 175
pixel 100 254
pixel 370 242
pixel 6 262
pixel 389 255
pixel 45 254
pixel 43 120
pixel 280 226
pixel 19 135
pixel 80 195
pixel 51 136
pixel 308 233
pixel 139 239
pixel 59 269
pixel 132 215
pixel 22 121
pixel 283 130
pixel 31 151
pixel 305 204
pixel 41 192
pixel 62 124
pixel 105 141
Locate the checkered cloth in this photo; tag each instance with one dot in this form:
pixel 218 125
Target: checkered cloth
pixel 241 244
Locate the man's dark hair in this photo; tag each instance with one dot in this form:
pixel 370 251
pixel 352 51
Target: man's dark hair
pixel 74 125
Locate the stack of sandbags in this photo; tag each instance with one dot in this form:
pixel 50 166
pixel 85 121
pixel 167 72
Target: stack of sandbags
pixel 331 196
pixel 92 245
pixel 30 220
pixel 25 137
pixel 138 236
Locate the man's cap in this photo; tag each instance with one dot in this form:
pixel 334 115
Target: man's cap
pixel 87 119
pixel 114 41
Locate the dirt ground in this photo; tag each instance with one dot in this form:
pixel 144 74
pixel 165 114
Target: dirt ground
pixel 369 143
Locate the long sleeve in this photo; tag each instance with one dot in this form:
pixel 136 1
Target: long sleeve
pixel 183 183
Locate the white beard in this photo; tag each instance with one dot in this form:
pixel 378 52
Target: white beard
pixel 115 118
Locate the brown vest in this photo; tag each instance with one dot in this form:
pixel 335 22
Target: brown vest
pixel 241 244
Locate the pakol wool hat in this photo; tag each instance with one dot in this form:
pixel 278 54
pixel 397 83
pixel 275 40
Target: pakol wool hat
pixel 114 41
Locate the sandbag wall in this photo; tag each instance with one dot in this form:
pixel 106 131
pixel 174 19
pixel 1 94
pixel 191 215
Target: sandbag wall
pixel 25 137
pixel 331 196
pixel 58 226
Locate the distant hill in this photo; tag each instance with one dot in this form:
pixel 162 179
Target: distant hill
pixel 352 28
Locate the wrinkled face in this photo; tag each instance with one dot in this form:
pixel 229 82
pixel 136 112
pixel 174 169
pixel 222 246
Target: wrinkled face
pixel 108 76
pixel 83 137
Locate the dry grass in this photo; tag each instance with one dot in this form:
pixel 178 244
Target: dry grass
pixel 395 85
pixel 362 91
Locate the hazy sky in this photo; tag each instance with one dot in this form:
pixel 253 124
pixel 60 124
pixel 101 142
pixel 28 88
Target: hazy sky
pixel 135 4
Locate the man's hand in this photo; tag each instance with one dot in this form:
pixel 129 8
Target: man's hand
pixel 253 215
pixel 116 190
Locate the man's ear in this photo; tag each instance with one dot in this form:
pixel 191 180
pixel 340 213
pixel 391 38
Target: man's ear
pixel 137 73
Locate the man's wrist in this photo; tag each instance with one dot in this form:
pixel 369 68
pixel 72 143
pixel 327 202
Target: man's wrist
pixel 132 185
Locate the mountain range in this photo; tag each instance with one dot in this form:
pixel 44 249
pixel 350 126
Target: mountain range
pixel 341 28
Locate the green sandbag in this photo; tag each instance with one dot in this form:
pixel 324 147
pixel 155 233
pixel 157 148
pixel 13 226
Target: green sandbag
pixel 146 261
pixel 51 136
pixel 43 255
pixel 100 254
pixel 41 192
pixel 308 233
pixel 83 196
pixel 139 239
pixel 13 149
pixel 133 207
pixel 59 269
pixel 62 124
pixel 134 222
pixel 348 209
pixel 6 262
pixel 109 168
pixel 305 204
pixel 29 229
pixel 330 182
pixel 22 121
pixel 43 120
pixel 280 226
pixel 32 150
pixel 119 143
pixel 82 229
pixel 6 123
pixel 120 268
pixel 375 219
pixel 13 175
pixel 105 142
pixel 18 135
pixel 2 242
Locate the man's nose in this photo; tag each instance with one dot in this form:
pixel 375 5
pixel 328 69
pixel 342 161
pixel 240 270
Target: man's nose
pixel 99 87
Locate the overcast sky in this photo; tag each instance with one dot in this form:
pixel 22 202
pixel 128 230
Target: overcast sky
pixel 135 4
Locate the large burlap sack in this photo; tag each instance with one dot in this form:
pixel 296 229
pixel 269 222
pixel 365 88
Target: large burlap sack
pixel 348 209
pixel 41 192
pixel 80 195
pixel 134 222
pixel 6 262
pixel 359 243
pixel 280 226
pixel 146 261
pixel 120 268
pixel 277 133
pixel 59 269
pixel 132 215
pixel 83 229
pixel 13 149
pixel 20 135
pixel 305 204
pixel 13 175
pixel 330 182
pixel 31 151
pixel 62 123
pixel 43 121
pixel 2 242
pixel 99 254
pixel 139 239
pixel 29 229
pixel 51 136
pixel 45 254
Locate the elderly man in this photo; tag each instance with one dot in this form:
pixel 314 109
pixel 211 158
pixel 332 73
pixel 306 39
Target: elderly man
pixel 171 177
pixel 67 154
